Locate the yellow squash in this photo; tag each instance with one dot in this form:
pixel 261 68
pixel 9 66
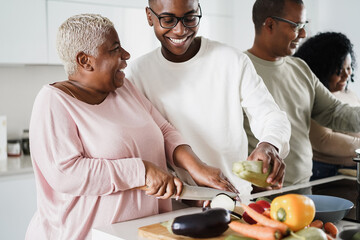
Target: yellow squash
pixel 295 210
pixel 252 171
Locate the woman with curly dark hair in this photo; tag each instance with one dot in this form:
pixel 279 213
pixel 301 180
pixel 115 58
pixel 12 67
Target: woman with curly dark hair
pixel 331 57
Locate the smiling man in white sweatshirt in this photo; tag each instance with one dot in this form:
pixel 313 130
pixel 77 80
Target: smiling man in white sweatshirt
pixel 203 87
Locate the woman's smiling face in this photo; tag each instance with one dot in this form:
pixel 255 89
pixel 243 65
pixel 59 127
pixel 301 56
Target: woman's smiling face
pixel 338 82
pixel 110 63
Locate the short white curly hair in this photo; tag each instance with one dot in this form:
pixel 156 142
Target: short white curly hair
pixel 81 33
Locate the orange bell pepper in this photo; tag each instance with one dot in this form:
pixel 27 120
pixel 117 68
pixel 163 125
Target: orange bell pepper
pixel 295 210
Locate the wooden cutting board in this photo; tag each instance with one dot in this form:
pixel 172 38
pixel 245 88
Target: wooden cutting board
pixel 158 232
pixel 347 172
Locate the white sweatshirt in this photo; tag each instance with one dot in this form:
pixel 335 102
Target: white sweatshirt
pixel 204 98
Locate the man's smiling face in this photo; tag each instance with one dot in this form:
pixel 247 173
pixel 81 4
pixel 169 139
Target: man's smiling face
pixel 177 40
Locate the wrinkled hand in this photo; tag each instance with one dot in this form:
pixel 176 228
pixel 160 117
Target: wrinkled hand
pixel 160 183
pixel 269 155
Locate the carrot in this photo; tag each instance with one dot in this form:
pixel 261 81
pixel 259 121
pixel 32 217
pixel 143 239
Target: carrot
pixel 329 237
pixel 317 224
pixel 331 229
pixel 265 221
pixel 266 212
pixel 255 231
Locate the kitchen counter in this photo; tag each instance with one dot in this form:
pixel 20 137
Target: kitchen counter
pixel 129 229
pixel 16 166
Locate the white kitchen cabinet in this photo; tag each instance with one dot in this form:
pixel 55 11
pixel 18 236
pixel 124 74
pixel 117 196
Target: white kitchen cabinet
pixel 29 27
pixel 23 32
pixel 130 22
pixel 17 205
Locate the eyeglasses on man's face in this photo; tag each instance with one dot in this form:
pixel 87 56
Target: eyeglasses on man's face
pixel 297 26
pixel 170 21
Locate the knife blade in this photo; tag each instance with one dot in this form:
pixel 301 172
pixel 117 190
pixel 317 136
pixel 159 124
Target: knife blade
pixel 201 193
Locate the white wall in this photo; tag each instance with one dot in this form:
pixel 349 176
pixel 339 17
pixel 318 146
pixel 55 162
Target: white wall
pixel 243 27
pixel 18 88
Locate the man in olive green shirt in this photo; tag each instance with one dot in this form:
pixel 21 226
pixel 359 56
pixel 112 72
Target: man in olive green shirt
pixel 279 28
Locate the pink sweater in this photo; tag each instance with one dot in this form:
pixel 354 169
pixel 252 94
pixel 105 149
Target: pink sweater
pixel 334 147
pixel 87 158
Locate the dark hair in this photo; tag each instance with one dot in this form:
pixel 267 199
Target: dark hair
pixel 150 2
pixel 263 9
pixel 325 54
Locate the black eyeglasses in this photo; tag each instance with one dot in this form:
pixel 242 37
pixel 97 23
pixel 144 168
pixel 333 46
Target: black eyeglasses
pixel 168 21
pixel 297 26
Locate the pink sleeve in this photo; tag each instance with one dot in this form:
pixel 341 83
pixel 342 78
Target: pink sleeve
pixel 328 142
pixel 62 163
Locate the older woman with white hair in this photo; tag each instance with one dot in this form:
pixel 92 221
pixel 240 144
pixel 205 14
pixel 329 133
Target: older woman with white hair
pixel 96 141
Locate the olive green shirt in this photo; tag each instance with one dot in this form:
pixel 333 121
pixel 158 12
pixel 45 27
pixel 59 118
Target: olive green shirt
pixel 299 93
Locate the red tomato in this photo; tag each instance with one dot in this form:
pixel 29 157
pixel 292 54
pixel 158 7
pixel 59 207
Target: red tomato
pixel 263 203
pixel 257 208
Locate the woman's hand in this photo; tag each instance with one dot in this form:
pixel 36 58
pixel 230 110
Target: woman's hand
pixel 269 155
pixel 160 183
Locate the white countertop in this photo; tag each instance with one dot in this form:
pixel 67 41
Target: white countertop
pixel 129 230
pixel 16 166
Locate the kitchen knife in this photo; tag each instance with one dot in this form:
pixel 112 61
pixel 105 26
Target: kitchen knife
pixel 198 193
pixel 201 193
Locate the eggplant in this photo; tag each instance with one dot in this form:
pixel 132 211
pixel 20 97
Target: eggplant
pixel 210 223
